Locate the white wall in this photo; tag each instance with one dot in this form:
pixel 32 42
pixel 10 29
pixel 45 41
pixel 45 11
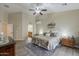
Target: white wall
pixel 16 20
pixel 65 21
pixel 27 19
pixel 21 21
pixel 3 20
pixel 68 21
pixel 45 20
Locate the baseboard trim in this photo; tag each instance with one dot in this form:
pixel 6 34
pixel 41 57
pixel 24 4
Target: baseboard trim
pixel 19 40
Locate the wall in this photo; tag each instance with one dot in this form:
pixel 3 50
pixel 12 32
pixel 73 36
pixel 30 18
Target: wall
pixel 16 20
pixel 21 21
pixel 3 20
pixel 27 19
pixel 67 21
pixel 45 20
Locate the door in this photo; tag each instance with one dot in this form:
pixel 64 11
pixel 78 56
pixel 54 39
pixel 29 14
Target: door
pixel 10 30
pixel 30 30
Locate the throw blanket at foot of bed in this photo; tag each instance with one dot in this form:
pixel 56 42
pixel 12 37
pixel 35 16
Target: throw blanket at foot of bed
pixel 46 42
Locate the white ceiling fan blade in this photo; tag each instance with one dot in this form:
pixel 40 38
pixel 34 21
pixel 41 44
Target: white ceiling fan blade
pixel 34 13
pixel 41 13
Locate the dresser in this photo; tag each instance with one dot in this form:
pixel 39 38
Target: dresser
pixel 68 42
pixel 29 34
pixel 8 49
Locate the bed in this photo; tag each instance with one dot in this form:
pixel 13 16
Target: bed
pixel 46 42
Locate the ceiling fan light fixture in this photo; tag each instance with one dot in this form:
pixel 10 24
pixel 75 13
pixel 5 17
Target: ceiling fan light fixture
pixel 37 11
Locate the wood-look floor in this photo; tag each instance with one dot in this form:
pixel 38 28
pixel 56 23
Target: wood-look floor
pixel 22 50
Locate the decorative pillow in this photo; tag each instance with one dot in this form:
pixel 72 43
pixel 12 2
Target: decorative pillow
pixel 44 34
pixel 48 34
pixel 53 35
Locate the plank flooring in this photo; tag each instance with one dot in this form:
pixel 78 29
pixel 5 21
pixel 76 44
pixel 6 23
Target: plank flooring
pixel 23 50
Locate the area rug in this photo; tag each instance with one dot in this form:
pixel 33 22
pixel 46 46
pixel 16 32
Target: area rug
pixel 39 51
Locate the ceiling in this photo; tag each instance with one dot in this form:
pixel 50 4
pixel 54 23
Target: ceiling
pixel 51 7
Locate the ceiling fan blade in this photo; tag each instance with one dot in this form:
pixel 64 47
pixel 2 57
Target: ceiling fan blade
pixel 34 13
pixel 44 10
pixel 31 9
pixel 41 13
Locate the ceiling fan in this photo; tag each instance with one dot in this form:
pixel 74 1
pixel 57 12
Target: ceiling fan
pixel 38 10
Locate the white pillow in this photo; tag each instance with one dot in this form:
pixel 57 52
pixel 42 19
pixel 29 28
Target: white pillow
pixel 48 34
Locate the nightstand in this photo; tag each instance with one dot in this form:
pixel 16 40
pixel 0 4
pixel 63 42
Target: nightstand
pixel 29 34
pixel 68 42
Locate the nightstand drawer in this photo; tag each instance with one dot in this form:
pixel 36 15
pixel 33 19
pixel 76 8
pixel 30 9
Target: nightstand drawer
pixel 68 42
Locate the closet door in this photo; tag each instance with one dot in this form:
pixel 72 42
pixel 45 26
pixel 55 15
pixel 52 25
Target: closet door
pixel 10 30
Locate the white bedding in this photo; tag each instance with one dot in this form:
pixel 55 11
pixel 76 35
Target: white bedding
pixel 52 41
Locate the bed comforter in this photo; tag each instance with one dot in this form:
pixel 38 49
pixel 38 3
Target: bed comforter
pixel 46 41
